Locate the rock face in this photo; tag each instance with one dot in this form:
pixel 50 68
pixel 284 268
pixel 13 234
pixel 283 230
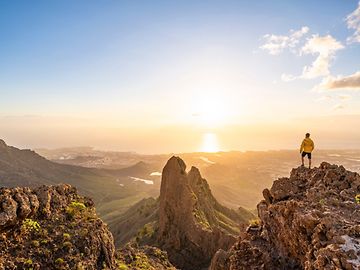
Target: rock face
pixel 51 227
pixel 308 221
pixel 192 224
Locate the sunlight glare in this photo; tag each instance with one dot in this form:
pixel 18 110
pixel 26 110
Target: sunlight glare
pixel 210 111
pixel 210 143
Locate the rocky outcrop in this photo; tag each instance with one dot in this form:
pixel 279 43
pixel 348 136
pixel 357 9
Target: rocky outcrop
pixel 192 224
pixel 310 220
pixel 52 227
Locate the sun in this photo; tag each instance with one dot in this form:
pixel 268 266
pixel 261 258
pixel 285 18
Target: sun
pixel 210 143
pixel 209 111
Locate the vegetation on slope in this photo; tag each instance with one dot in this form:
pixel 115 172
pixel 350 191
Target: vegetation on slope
pixel 52 228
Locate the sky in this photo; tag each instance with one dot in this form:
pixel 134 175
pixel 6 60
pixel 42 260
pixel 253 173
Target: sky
pixel 179 76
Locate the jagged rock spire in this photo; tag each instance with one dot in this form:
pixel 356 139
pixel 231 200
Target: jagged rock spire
pixel 190 218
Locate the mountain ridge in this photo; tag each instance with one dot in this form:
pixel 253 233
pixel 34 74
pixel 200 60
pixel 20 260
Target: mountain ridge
pixel 26 168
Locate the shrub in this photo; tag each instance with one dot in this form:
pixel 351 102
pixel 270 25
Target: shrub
pixel 78 205
pixel 28 265
pixel 28 262
pixel 59 261
pixel 141 262
pixel 75 208
pixel 30 225
pixel 66 236
pixel 357 198
pixel 159 254
pixel 122 266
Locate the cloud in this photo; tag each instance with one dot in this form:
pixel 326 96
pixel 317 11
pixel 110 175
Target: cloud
pixel 325 47
pixel 338 107
pixel 287 77
pixel 325 98
pixel 353 22
pixel 275 44
pixel 344 97
pixel 331 98
pixel 351 82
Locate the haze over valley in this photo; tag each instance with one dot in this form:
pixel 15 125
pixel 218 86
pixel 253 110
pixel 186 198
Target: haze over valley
pixel 117 180
pixel 236 178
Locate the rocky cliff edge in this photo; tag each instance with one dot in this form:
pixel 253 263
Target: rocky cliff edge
pixel 310 220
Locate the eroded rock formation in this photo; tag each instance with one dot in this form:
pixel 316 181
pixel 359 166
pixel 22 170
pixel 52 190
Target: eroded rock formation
pixel 192 224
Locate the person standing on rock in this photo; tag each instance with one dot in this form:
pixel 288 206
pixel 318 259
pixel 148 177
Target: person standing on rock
pixel 307 146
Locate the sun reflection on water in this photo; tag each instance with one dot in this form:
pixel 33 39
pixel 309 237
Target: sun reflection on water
pixel 210 143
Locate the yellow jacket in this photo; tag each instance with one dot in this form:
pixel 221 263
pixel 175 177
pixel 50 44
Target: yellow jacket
pixel 307 145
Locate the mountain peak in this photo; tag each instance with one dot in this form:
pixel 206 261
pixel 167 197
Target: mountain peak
pixel 2 143
pixel 194 171
pixel 141 164
pixel 175 164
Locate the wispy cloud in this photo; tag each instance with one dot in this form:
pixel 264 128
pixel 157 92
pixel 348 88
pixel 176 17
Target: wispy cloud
pixel 288 77
pixel 351 82
pixel 325 98
pixel 338 107
pixel 325 47
pixel 344 97
pixel 353 22
pixel 275 44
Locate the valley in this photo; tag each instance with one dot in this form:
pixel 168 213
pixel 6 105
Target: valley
pixel 236 178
